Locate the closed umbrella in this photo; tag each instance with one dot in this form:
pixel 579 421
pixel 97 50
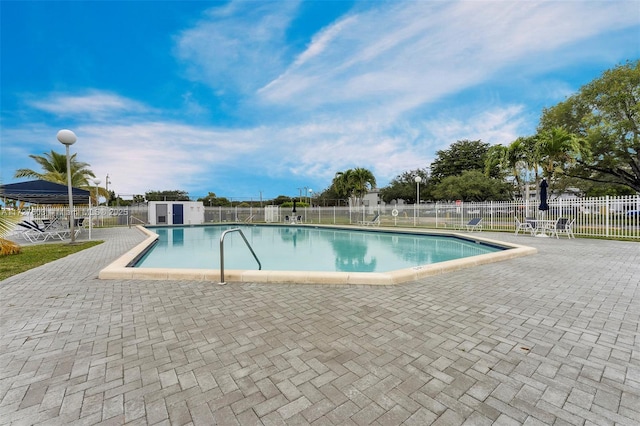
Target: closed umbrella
pixel 543 196
pixel 294 207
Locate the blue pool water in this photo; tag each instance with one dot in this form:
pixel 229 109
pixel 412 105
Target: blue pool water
pixel 293 248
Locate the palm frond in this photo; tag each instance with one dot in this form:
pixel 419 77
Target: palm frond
pixel 8 219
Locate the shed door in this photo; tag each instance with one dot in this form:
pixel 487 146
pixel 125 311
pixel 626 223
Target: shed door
pixel 178 214
pixel 161 213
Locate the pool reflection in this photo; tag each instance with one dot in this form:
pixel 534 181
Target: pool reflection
pixel 293 235
pixel 350 252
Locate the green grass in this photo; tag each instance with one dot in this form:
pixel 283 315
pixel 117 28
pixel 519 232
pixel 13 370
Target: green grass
pixel 39 254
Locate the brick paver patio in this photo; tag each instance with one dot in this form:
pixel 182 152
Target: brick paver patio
pixel 548 339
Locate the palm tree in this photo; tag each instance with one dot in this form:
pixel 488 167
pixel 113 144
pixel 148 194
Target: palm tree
pixel 341 183
pixel 362 181
pixel 495 160
pixel 354 183
pixel 515 159
pixel 522 158
pixel 54 166
pixel 557 148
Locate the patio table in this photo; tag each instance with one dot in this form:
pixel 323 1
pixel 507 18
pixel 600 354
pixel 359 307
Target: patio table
pixel 540 226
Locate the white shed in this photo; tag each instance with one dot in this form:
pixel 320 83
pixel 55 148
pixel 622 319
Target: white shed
pixel 176 213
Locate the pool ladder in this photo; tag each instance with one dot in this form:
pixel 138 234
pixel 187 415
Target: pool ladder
pixel 222 251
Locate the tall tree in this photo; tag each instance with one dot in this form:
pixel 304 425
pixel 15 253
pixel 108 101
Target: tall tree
pixel 606 115
pixel 403 187
pixel 341 184
pixel 362 181
pixel 54 166
pixel 515 159
pixel 494 162
pixel 472 185
pixel 520 158
pixel 559 149
pixel 461 156
pixel 354 183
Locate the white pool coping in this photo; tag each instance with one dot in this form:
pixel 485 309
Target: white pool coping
pixel 119 270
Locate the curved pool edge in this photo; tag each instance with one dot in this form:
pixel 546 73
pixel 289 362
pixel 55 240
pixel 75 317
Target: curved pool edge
pixel 119 269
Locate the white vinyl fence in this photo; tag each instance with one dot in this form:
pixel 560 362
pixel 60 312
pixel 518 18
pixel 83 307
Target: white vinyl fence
pixel 607 217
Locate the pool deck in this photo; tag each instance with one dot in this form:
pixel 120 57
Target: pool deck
pixel 547 339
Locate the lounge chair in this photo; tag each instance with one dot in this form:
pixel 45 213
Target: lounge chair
pixel 524 226
pixel 373 222
pixel 474 224
pixel 29 231
pixel 35 233
pixel 60 228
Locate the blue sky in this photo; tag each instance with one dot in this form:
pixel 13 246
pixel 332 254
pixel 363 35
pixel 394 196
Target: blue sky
pixel 251 98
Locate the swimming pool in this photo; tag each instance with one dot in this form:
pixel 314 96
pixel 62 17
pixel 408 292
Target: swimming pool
pixel 305 254
pixel 295 248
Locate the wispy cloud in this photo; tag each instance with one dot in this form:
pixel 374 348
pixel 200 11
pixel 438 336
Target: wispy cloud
pixel 94 104
pixel 318 46
pixel 402 54
pixel 498 125
pixel 238 46
pixel 152 155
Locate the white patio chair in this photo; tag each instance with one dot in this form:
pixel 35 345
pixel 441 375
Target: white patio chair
pixel 524 226
pixel 564 225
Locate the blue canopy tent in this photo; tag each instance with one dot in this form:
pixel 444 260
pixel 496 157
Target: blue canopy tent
pixel 43 192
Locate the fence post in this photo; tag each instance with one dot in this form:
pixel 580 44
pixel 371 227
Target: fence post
pixel 492 210
pixel 561 210
pixel 606 219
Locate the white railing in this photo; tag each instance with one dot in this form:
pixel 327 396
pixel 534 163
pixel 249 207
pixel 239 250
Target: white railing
pixel 607 217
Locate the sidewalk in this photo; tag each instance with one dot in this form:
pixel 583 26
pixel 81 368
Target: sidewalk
pixel 552 338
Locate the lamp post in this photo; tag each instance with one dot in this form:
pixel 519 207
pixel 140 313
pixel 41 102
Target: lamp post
pixel 68 138
pixel 418 179
pixel 310 197
pixel 107 182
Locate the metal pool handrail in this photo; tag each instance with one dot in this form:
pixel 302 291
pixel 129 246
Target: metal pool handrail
pixel 222 251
